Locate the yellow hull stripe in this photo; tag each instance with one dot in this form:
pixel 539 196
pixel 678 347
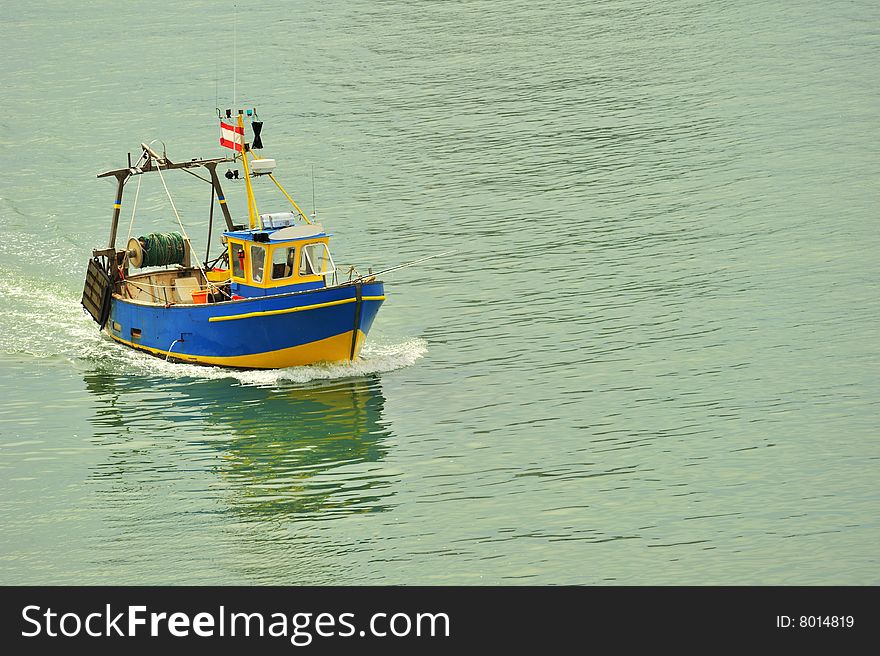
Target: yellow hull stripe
pixel 331 349
pixel 301 308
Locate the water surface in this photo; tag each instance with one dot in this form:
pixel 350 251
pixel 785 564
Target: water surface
pixel 652 360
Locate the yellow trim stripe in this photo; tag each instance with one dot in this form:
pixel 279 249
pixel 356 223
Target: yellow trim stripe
pixel 331 349
pixel 302 308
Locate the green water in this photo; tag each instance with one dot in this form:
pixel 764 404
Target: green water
pixel 652 360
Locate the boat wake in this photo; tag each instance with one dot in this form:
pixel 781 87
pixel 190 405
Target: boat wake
pixel 375 357
pixel 48 324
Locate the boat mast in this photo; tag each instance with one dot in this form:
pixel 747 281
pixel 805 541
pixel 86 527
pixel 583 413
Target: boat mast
pixel 117 206
pixel 122 176
pixel 253 217
pixel 218 190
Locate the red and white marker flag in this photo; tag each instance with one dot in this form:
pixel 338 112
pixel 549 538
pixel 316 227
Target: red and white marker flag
pixel 231 136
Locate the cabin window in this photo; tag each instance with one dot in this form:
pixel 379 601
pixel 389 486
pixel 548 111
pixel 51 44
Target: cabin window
pixel 236 257
pixel 314 259
pixel 283 262
pixel 258 259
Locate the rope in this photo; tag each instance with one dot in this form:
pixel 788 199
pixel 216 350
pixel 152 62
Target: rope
pixel 179 222
pixel 137 193
pixel 133 209
pixel 139 288
pixel 196 175
pixel 171 200
pixel 142 286
pixel 171 347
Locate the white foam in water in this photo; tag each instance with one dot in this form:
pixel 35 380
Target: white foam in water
pixel 45 324
pixel 374 358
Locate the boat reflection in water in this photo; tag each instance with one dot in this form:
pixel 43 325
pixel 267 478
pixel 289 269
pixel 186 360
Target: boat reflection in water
pixel 304 451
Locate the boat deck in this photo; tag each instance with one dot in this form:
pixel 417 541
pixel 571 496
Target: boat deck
pixel 164 287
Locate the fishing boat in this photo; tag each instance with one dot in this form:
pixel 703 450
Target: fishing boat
pixel 271 299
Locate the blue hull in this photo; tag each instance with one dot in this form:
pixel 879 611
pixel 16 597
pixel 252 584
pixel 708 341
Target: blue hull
pixel 319 325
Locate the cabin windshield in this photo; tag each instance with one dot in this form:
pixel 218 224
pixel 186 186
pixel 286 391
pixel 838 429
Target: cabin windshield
pixel 314 260
pixel 282 262
pixel 237 259
pixel 258 258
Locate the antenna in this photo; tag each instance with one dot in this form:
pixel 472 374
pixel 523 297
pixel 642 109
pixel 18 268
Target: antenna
pixel 314 204
pixel 217 86
pixel 234 56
